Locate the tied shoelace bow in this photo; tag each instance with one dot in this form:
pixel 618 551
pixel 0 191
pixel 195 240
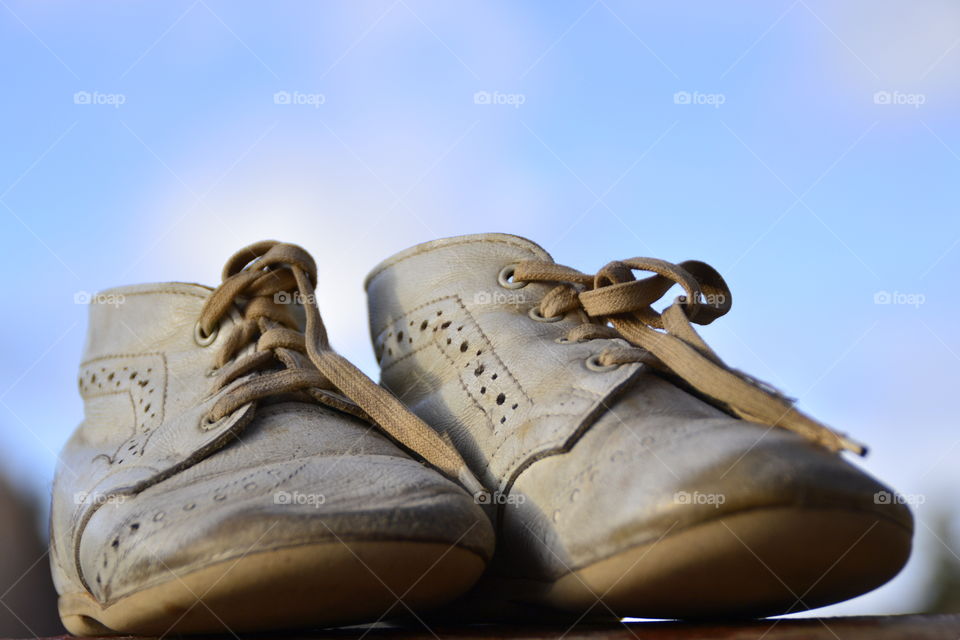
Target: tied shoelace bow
pixel 617 305
pixel 262 280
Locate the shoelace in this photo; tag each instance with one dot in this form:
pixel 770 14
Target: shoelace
pixel 617 305
pixel 261 280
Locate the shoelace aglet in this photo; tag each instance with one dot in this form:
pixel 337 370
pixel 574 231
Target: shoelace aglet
pixel 473 486
pixel 852 445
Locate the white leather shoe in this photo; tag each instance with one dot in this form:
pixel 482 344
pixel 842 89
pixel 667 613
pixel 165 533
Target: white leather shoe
pixel 635 473
pixel 226 476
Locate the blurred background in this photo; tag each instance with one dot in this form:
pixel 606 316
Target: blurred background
pixel 809 150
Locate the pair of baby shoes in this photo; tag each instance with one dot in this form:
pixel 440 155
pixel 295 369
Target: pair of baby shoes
pixel 543 443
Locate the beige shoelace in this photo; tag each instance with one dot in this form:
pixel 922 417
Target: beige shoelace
pixel 617 305
pixel 261 280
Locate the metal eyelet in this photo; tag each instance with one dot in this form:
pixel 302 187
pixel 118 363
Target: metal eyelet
pixel 202 340
pixel 536 315
pixel 593 364
pixel 562 340
pixel 503 278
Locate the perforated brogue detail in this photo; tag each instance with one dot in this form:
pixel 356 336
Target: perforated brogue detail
pixel 140 377
pixel 444 334
pixel 447 327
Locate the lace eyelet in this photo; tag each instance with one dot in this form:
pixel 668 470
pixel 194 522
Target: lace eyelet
pixel 202 340
pixel 503 278
pixel 593 364
pixel 536 315
pixel 207 423
pixel 562 340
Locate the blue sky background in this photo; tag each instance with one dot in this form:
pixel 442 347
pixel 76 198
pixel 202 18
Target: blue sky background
pixel 809 150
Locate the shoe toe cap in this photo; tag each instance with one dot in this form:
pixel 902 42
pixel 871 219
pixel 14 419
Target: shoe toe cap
pixel 214 512
pixel 641 474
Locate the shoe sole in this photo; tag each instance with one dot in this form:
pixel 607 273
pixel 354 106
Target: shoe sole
pixel 322 584
pixel 755 563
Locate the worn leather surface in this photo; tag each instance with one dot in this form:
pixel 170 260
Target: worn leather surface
pixel 146 487
pixel 588 463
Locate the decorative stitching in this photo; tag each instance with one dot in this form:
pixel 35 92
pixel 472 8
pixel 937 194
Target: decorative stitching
pixel 493 349
pixel 459 301
pixel 466 389
pixel 410 312
pixel 126 384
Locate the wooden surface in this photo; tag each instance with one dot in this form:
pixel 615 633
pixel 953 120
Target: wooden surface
pixel 913 627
